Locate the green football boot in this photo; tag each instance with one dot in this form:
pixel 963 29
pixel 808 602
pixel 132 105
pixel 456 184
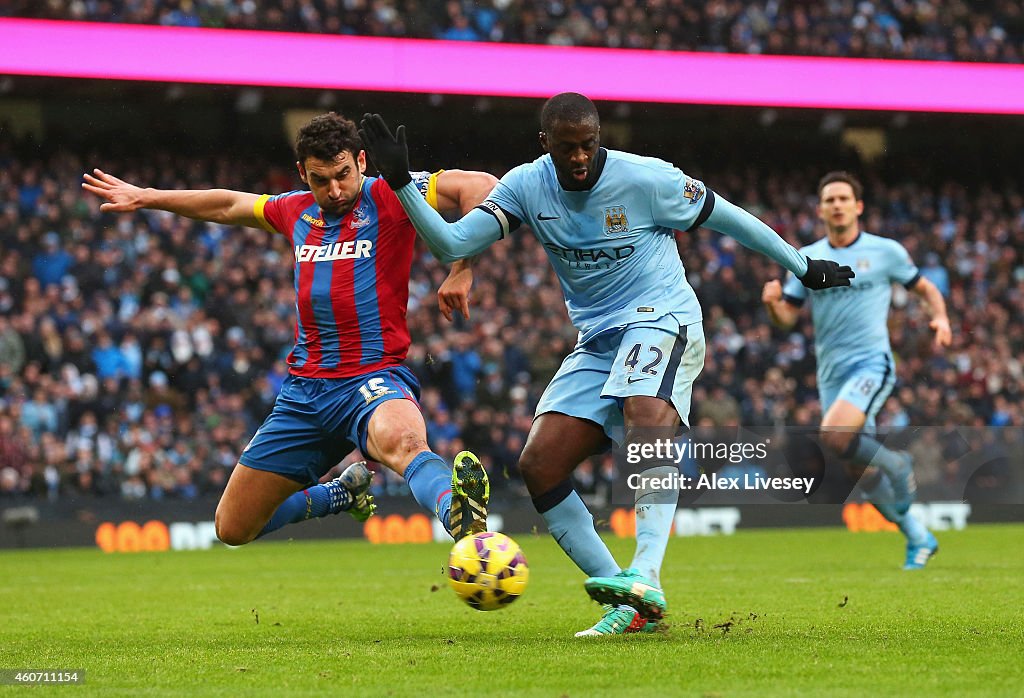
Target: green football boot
pixel 628 588
pixel 357 479
pixel 619 620
pixel 470 492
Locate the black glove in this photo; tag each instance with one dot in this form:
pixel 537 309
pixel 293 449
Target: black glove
pixel 389 153
pixel 824 273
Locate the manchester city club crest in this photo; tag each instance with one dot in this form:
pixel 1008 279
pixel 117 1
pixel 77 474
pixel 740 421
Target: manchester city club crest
pixel 615 221
pixel 863 264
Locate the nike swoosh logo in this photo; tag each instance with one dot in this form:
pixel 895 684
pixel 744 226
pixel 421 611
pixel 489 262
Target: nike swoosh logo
pixel 635 380
pixel 542 217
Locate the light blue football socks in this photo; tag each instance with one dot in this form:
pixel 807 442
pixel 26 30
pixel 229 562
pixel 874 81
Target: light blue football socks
pixel 879 491
pixel 655 512
pixel 572 526
pixel 897 465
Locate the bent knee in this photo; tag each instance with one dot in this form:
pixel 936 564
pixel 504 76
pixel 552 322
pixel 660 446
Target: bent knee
pixel 412 441
pixel 838 442
pixel 232 532
pixel 540 474
pixel 400 446
pixel 530 466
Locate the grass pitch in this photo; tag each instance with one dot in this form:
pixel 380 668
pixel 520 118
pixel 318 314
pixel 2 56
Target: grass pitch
pixel 809 612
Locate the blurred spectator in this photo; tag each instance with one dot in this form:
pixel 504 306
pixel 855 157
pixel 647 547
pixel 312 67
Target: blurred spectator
pixel 52 263
pixel 12 346
pixel 466 366
pixel 936 273
pixel 109 361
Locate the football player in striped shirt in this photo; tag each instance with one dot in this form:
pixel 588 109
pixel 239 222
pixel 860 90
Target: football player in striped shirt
pixel 347 387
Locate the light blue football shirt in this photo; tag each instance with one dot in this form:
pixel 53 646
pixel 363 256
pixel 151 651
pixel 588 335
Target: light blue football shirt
pixel 612 246
pixel 850 322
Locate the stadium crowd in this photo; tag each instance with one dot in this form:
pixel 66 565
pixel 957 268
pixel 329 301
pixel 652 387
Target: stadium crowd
pixel 139 352
pixel 903 29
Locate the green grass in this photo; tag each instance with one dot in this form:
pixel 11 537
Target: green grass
pixel 814 612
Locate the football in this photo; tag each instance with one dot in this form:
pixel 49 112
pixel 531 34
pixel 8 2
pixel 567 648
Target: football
pixel 487 570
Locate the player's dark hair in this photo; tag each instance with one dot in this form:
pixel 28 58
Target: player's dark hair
pixel 570 107
pixel 841 176
pixel 326 136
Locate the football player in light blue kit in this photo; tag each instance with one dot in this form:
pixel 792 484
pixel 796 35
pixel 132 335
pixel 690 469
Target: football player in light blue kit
pixel 607 221
pixel 855 362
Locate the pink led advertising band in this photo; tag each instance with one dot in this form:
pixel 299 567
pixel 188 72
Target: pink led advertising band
pixel 172 54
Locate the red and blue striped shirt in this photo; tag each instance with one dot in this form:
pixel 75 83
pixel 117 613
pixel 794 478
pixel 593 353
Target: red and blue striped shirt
pixel 351 278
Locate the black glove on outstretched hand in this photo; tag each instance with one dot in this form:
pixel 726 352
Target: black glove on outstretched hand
pixel 389 153
pixel 824 273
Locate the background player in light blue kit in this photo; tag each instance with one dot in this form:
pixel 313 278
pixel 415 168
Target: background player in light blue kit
pixel 855 362
pixel 607 221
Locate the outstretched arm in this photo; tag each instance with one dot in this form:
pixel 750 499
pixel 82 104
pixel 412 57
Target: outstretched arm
pixel 750 232
pixel 214 205
pixel 469 236
pixel 937 304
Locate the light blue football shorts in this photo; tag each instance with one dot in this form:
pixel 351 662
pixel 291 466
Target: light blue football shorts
pixel 659 358
pixel 865 384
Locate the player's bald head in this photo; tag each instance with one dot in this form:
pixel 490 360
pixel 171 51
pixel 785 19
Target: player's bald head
pixel 570 108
